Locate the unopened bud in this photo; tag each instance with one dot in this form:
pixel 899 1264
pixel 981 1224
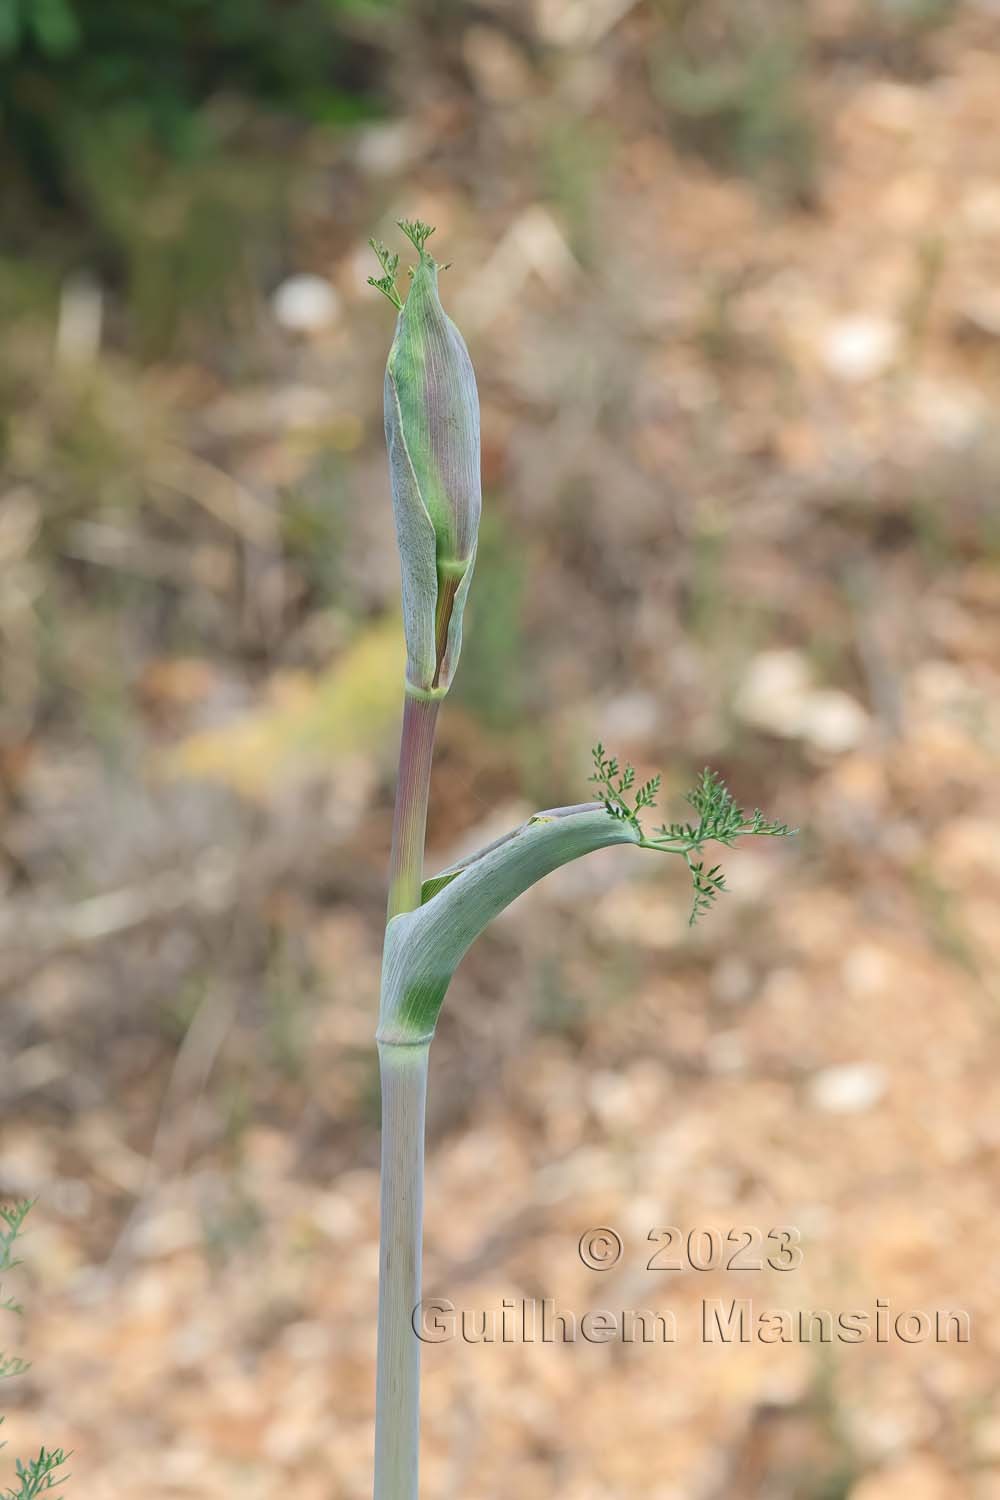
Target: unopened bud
pixel 432 433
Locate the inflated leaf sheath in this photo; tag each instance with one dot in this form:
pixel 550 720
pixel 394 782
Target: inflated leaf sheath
pixel 423 947
pixel 432 434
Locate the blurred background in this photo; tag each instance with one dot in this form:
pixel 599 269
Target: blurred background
pixel 729 274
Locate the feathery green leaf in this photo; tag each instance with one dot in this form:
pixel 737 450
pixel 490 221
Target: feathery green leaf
pixel 719 820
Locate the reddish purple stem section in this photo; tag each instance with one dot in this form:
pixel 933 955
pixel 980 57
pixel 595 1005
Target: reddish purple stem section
pixel 416 750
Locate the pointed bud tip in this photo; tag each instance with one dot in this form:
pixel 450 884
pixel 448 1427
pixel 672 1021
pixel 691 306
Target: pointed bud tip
pixel 418 233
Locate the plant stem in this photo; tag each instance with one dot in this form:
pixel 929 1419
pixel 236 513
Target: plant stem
pixel 416 749
pixel 403 1072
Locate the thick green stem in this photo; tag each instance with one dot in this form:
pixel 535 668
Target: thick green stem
pixel 397 1404
pixel 403 1071
pixel 416 750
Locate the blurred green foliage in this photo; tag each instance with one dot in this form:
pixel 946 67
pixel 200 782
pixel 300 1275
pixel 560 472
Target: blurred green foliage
pixel 730 81
pixel 732 77
pixel 495 664
pixel 745 114
pixel 574 158
pixel 151 139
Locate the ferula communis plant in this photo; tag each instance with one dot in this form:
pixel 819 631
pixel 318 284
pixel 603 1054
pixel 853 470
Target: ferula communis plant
pixel 40 1474
pixel 432 434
